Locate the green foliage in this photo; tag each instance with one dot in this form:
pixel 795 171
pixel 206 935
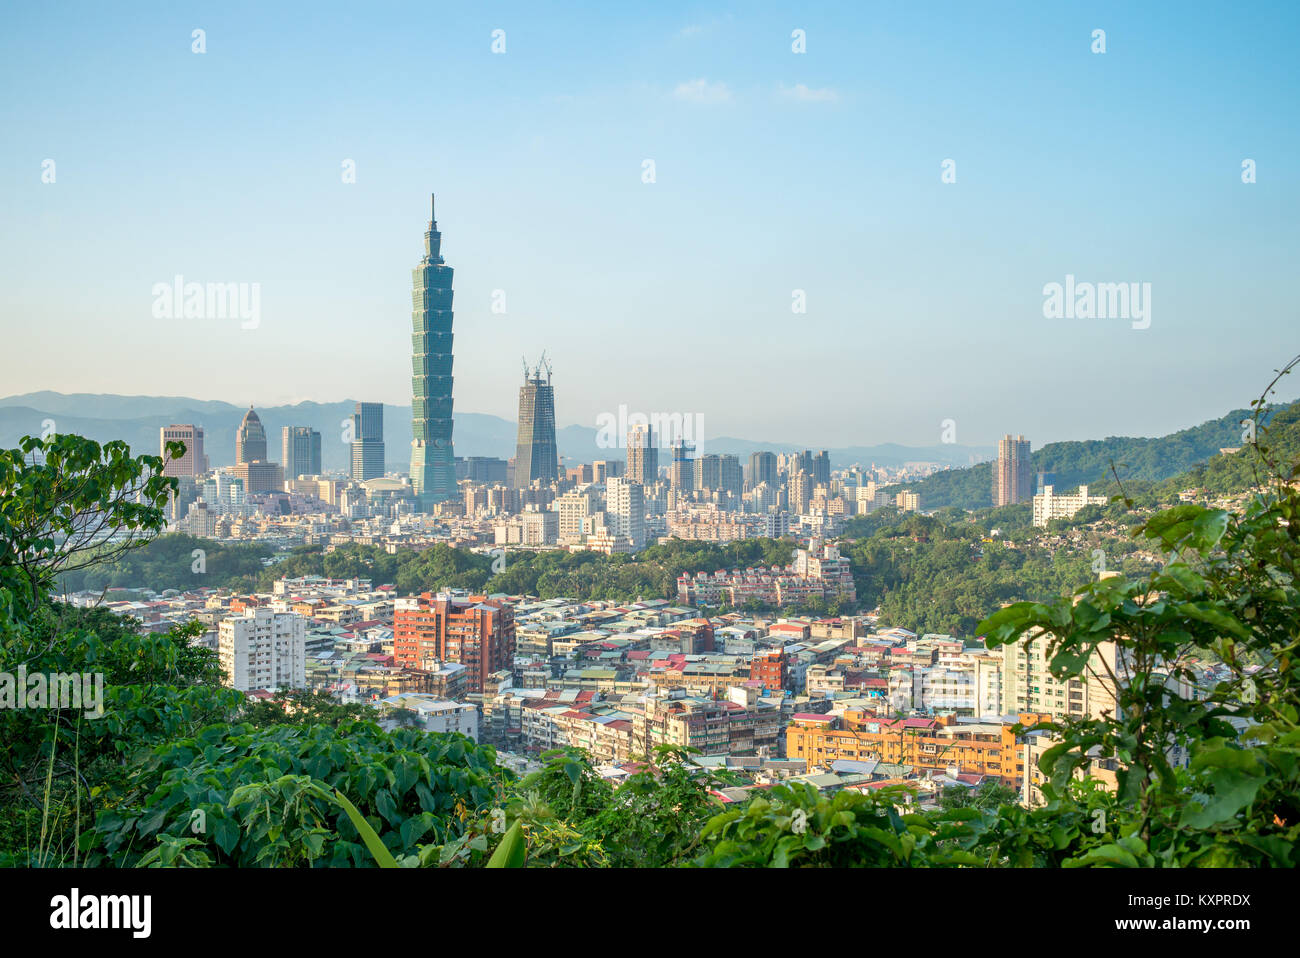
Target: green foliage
pixel 795 825
pixel 270 796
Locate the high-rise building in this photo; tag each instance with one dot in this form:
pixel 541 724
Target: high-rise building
pixel 800 486
pixel 194 462
pixel 536 454
pixel 250 439
pixel 681 475
pixel 433 470
pixel 368 441
pixel 821 469
pixel 1011 475
pixel 762 468
pixel 625 508
pixel 708 472
pixel 300 451
pixel 476 632
pixel 642 455
pixel 730 476
pixel 263 649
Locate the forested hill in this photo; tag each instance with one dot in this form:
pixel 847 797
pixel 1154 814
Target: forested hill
pixel 1089 462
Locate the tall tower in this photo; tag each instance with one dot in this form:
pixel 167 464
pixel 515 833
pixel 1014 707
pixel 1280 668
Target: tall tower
pixel 301 451
pixel 433 467
pixel 368 441
pixel 250 439
pixel 642 455
pixel 536 453
pixel 1011 475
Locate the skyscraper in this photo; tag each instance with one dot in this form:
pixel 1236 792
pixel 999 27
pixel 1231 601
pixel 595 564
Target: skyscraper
pixel 536 454
pixel 300 451
pixel 762 468
pixel 195 461
pixel 433 469
pixel 642 455
pixel 368 441
pixel 681 475
pixel 625 507
pixel 250 439
pixel 1011 475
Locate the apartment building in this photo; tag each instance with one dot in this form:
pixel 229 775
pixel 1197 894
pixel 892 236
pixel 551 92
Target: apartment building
pixel 936 744
pixel 263 649
pixel 476 632
pixel 1048 505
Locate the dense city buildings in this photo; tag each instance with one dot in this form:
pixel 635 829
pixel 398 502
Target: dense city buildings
pixel 536 454
pixel 433 470
pixel 1011 472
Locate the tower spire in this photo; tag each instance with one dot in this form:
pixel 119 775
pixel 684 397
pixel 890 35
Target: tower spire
pixel 432 218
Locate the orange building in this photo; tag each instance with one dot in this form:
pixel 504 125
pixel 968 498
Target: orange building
pixel 769 669
pixel 477 632
pixel 980 748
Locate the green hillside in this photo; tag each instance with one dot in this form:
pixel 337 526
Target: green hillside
pixel 1074 463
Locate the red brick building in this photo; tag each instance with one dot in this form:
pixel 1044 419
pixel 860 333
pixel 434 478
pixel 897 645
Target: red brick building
pixel 477 632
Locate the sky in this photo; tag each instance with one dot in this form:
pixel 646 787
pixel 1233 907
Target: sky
pixel 779 179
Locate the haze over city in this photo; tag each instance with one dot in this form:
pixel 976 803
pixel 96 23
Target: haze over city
pixel 774 173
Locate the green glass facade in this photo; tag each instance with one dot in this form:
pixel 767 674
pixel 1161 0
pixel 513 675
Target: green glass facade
pixel 433 469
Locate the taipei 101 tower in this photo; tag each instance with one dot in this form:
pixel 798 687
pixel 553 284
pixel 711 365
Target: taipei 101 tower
pixel 433 470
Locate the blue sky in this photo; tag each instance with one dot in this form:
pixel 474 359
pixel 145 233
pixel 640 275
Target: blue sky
pixel 775 171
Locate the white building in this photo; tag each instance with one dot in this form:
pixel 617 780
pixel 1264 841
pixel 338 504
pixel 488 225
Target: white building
pixel 625 510
pixel 432 714
pixel 264 649
pixel 1049 506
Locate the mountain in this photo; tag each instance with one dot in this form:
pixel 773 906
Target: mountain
pixel 1075 463
pixel 137 419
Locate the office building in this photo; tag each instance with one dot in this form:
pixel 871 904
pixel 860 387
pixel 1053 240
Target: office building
pixel 536 454
pixel 681 475
pixel 300 451
pixel 194 462
pixel 762 468
pixel 367 441
pixel 250 439
pixel 433 470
